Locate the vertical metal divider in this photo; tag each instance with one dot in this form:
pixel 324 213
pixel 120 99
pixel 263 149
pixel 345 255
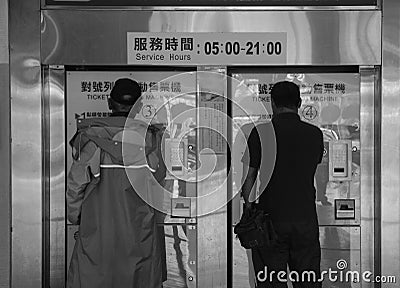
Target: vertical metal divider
pixel 212 246
pixel 368 137
pixel 390 140
pixel 54 177
pixel 197 188
pixel 230 187
pixel 64 179
pixel 198 142
pixel 377 172
pixel 46 176
pixel 5 152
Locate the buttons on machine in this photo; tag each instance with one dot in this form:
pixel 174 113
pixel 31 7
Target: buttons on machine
pixel 340 159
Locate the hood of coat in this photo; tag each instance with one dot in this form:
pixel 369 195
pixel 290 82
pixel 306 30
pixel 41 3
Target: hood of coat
pixel 122 138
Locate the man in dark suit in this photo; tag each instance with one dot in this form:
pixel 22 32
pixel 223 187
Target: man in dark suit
pixel 289 195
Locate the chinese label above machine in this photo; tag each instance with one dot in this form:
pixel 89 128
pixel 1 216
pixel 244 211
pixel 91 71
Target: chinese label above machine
pixel 206 48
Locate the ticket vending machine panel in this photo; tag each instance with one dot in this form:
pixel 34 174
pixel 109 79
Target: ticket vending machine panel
pixel 169 101
pixel 330 101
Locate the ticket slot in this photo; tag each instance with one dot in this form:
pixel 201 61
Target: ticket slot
pixel 181 207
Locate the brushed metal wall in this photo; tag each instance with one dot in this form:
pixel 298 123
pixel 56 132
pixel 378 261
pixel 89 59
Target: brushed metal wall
pixel 314 37
pixel 26 147
pixel 4 149
pixel 390 186
pixel 4 57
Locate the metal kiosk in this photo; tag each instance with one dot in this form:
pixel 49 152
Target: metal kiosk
pixel 189 60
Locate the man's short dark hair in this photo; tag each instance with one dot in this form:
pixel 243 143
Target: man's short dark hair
pixel 125 91
pixel 286 94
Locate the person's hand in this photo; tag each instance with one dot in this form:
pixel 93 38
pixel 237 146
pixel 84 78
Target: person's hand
pixel 247 210
pixel 76 235
pixel 248 205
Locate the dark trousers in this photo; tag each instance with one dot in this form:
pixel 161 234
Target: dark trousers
pixel 297 247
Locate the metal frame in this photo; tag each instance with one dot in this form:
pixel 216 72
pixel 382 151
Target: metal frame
pixel 370 155
pixel 390 141
pixel 5 168
pixel 213 247
pixel 54 163
pixel 216 8
pixel 28 147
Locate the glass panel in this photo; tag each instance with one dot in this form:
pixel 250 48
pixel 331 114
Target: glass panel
pixel 169 100
pixel 330 101
pixel 180 254
pixel 180 243
pixel 168 103
pixel 340 251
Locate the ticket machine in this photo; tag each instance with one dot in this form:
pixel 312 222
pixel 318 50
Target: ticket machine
pixel 333 101
pixel 168 101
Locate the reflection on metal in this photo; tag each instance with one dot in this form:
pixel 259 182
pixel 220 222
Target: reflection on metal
pixel 26 133
pixel 314 37
pixel 53 95
pixel 4 31
pixel 390 125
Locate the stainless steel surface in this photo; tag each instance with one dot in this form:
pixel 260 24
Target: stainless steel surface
pixel 54 107
pixel 212 241
pixel 390 153
pixel 314 37
pixel 368 176
pixel 4 32
pixel 5 187
pixel 26 133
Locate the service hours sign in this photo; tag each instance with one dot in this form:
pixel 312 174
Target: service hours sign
pixel 207 48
